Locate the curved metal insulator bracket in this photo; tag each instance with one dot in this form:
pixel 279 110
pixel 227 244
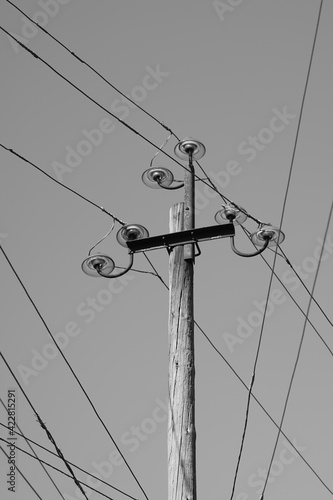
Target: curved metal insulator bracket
pixel 241 254
pixel 120 273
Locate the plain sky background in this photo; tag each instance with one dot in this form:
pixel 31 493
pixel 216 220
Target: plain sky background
pixel 222 80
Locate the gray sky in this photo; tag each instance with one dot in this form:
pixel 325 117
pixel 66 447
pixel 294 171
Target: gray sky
pixel 233 77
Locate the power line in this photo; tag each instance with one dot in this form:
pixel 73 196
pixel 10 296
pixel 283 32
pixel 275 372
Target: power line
pixel 296 303
pixel 123 223
pixel 207 176
pixel 210 184
pixel 241 380
pixel 60 183
pixel 251 393
pixel 21 473
pixel 207 338
pixel 28 440
pixel 237 207
pixel 33 451
pixel 72 371
pixel 304 285
pixel 291 296
pixel 49 435
pixel 92 69
pixel 273 267
pixel 58 470
pixel 298 355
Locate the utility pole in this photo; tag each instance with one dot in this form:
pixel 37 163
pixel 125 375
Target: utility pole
pixel 180 243
pixel 181 418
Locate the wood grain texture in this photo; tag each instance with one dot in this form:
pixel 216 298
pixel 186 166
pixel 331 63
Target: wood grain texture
pixel 181 424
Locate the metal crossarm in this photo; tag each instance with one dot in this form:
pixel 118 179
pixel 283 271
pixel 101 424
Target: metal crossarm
pixel 182 237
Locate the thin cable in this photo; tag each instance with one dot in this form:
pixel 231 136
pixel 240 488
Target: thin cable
pixel 263 408
pixel 92 69
pixel 246 387
pixel 207 338
pixel 293 299
pixel 100 241
pixel 83 197
pixel 210 185
pixel 304 285
pixel 61 184
pixel 116 117
pixel 301 310
pixel 59 470
pixel 235 204
pixel 21 474
pixel 247 411
pixel 273 266
pixel 28 440
pixel 298 355
pixel 160 149
pixel 33 451
pixel 49 435
pixel 301 112
pixel 123 223
pixel 73 373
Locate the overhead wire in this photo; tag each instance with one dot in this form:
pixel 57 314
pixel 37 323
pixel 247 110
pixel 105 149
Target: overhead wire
pixel 304 285
pixel 72 53
pixel 103 238
pixel 73 373
pixel 21 473
pixel 156 274
pixel 247 411
pixel 210 184
pixel 10 150
pixel 294 300
pixel 220 193
pixel 253 395
pixel 29 440
pixel 33 451
pixel 81 483
pixel 49 435
pixel 297 356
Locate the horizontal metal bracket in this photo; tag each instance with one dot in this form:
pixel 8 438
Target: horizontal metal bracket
pixel 181 237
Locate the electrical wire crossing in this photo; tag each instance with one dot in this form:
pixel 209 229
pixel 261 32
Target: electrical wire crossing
pixel 28 440
pixel 81 483
pixel 49 435
pixel 156 274
pixel 19 471
pixel 210 184
pixel 73 373
pixel 298 354
pixel 33 451
pixel 273 271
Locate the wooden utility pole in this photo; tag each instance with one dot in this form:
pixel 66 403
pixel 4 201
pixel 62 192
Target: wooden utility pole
pixel 181 423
